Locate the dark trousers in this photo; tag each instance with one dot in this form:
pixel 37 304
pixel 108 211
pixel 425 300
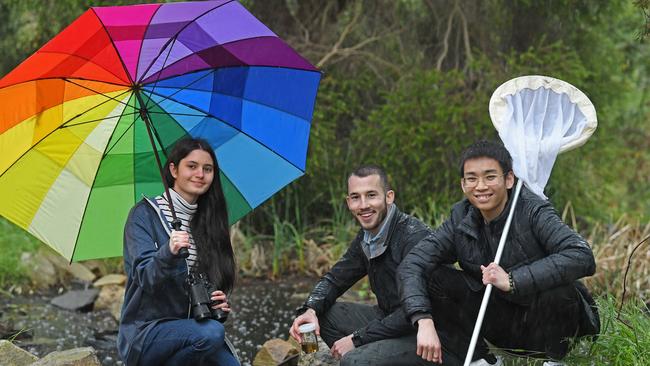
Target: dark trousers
pixel 344 318
pixel 538 326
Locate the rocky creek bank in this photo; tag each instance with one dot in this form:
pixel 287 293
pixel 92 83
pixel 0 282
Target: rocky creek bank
pixel 69 315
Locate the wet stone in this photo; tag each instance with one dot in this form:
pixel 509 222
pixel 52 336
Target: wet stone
pixel 81 272
pixel 42 272
pixel 111 279
pixel 321 357
pixel 85 356
pixel 13 355
pixel 81 300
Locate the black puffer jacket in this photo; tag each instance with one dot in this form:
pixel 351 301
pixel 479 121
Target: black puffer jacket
pixel 541 252
pixel 404 232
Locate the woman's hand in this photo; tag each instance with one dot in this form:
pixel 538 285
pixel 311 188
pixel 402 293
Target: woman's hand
pixel 221 299
pixel 178 240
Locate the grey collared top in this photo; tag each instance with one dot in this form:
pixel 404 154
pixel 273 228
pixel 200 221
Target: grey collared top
pixel 374 246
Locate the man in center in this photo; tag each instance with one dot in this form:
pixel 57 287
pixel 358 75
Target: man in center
pixel 360 334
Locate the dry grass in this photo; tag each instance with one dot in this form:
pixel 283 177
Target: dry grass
pixel 613 245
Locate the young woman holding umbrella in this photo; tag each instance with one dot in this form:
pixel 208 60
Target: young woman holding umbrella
pixel 161 323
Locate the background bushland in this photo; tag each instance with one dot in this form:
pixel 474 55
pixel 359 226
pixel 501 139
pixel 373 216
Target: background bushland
pixel 406 84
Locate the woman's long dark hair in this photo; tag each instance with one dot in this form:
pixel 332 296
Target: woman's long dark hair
pixel 209 225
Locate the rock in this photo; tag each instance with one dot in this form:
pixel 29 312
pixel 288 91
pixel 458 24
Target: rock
pixel 10 355
pixel 104 340
pixel 61 264
pixel 98 267
pixel 322 357
pixel 81 272
pixel 41 271
pixel 86 356
pixel 111 298
pixel 76 300
pixel 111 279
pixel 274 352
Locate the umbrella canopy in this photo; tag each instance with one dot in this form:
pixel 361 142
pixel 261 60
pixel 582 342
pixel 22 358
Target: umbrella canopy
pixel 75 154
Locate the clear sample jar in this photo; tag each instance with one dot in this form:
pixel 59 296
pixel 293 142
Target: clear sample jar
pixel 308 333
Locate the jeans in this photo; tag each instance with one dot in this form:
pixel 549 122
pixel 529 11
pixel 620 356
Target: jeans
pixel 187 342
pixel 344 318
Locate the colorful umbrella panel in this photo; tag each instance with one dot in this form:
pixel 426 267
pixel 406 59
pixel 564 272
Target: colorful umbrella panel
pixel 75 155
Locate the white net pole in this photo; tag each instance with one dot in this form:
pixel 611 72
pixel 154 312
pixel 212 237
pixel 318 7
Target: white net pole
pixel 488 289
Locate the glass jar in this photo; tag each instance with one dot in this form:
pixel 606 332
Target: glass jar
pixel 308 334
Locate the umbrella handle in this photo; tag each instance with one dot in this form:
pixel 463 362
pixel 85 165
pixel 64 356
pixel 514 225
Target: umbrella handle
pixel 488 288
pixel 183 252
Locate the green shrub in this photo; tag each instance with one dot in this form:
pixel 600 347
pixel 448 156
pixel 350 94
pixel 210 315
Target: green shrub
pixel 13 242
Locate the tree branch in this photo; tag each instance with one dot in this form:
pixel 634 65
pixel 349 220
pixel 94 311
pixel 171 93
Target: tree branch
pixel 468 48
pixel 344 34
pixel 445 41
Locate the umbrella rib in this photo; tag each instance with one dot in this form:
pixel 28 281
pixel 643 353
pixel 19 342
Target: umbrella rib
pixel 51 132
pixel 178 114
pixel 149 124
pixel 119 56
pixel 243 64
pixel 74 248
pixel 183 88
pixel 153 60
pixel 240 131
pixel 96 92
pixel 96 120
pixel 120 138
pixel 89 60
pixel 180 89
pixel 64 79
pixel 222 172
pixel 158 77
pixel 144 37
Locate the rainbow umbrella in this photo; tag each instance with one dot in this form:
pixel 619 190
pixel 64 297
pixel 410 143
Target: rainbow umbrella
pixel 81 119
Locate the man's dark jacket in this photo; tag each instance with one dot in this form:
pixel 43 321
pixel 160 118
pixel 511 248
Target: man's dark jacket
pixel 403 233
pixel 541 253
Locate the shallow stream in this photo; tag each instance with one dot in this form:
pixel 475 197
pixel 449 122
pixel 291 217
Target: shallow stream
pixel 262 310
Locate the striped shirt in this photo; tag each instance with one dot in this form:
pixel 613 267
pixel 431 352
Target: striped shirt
pixel 184 212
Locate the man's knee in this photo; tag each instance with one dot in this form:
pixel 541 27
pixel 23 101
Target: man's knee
pixel 444 281
pixel 561 304
pixel 355 357
pixel 334 312
pixel 330 322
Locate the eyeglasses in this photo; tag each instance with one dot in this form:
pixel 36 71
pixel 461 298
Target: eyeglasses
pixel 488 180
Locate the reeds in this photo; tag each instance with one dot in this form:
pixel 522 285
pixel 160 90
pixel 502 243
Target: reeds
pixel 613 247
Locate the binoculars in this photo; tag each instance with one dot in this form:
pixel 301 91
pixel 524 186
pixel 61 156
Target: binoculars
pixel 199 289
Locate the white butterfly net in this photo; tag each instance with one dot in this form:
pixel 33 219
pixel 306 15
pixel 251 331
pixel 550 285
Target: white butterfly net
pixel 537 118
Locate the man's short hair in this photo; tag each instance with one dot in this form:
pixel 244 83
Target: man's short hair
pixel 371 169
pixel 486 149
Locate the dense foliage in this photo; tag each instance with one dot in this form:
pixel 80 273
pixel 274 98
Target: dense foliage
pixel 406 84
